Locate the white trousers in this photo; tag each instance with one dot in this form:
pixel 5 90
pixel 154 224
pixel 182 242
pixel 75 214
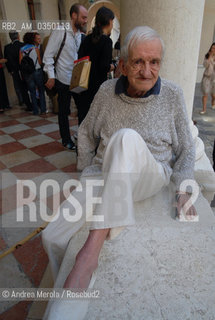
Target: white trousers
pixel 130 173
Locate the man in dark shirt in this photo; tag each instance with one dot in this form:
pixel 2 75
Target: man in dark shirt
pixel 11 53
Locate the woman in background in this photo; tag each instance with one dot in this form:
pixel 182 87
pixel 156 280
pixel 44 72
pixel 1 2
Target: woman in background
pixel 98 46
pixel 208 80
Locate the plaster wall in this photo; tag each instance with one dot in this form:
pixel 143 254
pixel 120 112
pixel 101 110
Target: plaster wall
pixel 49 9
pixel 15 10
pixel 48 12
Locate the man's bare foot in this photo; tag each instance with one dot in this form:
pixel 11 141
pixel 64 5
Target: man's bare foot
pixel 81 273
pixel 86 260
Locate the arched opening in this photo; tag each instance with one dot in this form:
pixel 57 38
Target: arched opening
pixel 116 24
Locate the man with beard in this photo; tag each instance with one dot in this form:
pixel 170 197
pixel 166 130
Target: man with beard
pixel 59 75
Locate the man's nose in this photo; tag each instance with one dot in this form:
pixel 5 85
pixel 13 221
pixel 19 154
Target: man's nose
pixel 145 69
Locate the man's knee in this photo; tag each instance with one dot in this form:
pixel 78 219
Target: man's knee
pixel 126 138
pixel 125 133
pixel 126 148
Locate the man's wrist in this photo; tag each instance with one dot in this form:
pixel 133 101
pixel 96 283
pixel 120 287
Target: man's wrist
pixel 51 74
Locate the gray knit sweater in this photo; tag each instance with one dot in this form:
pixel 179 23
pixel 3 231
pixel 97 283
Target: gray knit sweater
pixel 160 119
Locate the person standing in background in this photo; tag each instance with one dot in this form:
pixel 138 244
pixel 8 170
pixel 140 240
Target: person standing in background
pixel 34 80
pixel 4 102
pixel 60 75
pixel 208 80
pixel 11 53
pixel 38 44
pixel 98 46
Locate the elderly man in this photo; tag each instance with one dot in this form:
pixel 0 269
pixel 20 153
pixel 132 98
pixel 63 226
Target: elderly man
pixel 136 137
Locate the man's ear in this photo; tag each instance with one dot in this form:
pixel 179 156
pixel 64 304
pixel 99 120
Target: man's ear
pixel 74 16
pixel 122 66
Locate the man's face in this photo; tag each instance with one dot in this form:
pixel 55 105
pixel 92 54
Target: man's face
pixel 143 66
pixel 37 39
pixel 80 19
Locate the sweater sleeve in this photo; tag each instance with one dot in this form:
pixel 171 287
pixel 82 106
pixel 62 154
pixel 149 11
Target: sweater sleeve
pixel 184 151
pixel 89 133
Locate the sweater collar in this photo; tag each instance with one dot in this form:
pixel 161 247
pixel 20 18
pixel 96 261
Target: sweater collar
pixel 122 82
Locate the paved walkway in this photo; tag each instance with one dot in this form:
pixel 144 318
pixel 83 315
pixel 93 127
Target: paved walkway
pixel 205 123
pixel 31 144
pixel 30 148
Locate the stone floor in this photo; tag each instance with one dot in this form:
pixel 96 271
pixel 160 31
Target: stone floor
pixel 30 148
pixel 30 144
pixel 205 123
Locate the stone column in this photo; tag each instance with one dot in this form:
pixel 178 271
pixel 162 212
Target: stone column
pixel 179 23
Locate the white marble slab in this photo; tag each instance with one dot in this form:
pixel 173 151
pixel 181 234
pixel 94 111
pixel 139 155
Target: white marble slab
pixel 159 268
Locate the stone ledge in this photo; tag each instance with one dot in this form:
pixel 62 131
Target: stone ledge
pixel 157 269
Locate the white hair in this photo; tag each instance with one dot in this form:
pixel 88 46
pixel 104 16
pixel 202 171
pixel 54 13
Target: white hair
pixel 139 34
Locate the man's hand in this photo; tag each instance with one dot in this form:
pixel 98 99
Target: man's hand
pixel 3 60
pixel 183 201
pixel 112 67
pixel 50 83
